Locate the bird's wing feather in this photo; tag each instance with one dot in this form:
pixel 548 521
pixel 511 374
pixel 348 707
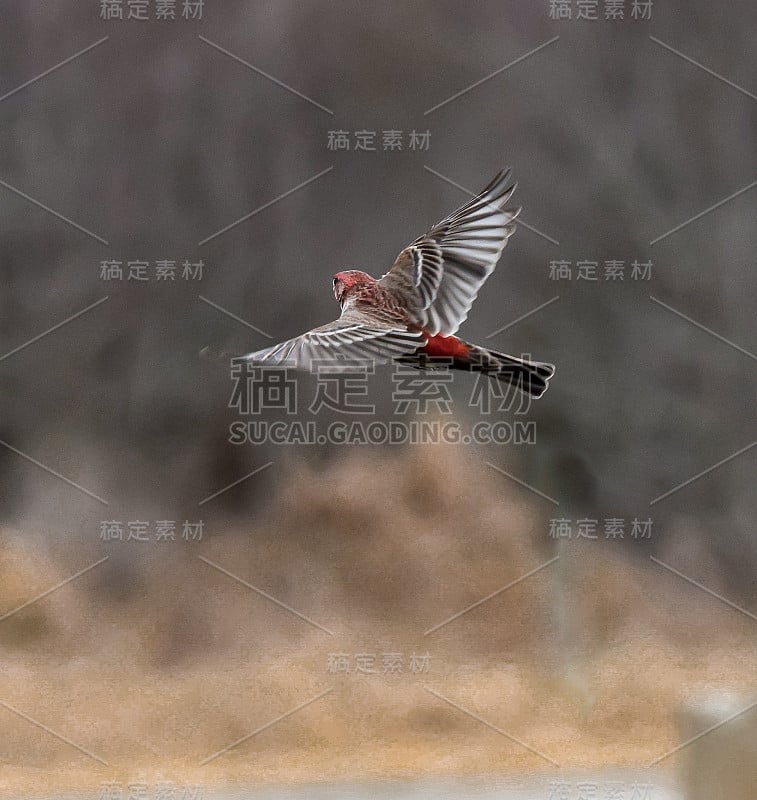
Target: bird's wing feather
pixel 355 336
pixel 439 275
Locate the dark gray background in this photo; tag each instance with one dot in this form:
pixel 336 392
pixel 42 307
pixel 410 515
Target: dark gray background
pixel 154 140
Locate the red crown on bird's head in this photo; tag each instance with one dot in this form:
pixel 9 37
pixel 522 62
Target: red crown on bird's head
pixel 351 277
pixel 345 280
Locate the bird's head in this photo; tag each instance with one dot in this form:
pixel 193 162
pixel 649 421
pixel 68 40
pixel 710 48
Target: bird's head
pixel 346 281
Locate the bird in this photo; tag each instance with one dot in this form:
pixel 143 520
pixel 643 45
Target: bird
pixel 412 313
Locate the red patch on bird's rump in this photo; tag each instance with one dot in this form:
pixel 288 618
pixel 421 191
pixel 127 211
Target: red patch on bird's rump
pixel 446 347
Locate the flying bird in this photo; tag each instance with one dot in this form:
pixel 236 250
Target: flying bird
pixel 412 313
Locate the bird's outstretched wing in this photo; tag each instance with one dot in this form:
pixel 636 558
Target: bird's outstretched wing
pixel 438 276
pixel 355 336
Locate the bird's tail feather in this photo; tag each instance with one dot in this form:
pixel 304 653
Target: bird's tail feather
pixel 531 377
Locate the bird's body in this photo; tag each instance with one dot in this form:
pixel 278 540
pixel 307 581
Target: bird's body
pixel 411 313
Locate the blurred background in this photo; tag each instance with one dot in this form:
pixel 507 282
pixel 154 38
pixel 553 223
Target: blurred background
pixel 132 142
